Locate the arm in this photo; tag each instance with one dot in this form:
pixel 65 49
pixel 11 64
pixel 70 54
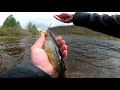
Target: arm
pixel 102 23
pixel 25 70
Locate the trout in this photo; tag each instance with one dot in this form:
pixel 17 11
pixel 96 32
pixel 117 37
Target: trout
pixel 54 55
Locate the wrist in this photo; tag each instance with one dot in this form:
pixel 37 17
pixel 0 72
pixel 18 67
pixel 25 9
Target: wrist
pixel 49 69
pixel 72 15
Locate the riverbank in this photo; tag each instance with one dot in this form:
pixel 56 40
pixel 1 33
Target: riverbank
pixel 13 37
pixel 91 37
pixel 82 32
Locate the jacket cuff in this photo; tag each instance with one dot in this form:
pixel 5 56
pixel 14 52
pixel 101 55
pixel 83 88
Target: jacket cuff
pixel 80 18
pixel 37 71
pixel 25 70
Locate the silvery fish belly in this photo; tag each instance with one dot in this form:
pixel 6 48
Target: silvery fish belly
pixel 54 55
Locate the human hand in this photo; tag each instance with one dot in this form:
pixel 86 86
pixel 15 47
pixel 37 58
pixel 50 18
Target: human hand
pixel 39 56
pixel 64 17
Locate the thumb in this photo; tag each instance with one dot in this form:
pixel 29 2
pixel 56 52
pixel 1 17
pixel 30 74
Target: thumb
pixel 41 40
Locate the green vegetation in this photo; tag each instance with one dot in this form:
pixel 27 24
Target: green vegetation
pixel 32 29
pixel 11 28
pixel 82 32
pixel 12 31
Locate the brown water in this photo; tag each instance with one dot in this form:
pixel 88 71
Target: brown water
pixel 87 58
pixel 14 51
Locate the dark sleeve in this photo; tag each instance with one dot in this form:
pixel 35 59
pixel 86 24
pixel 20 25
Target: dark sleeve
pixel 25 70
pixel 102 23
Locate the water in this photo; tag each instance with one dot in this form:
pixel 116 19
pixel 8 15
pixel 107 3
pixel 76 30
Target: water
pixel 14 51
pixel 87 58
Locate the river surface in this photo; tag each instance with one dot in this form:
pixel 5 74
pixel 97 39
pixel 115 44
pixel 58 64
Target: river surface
pixel 87 58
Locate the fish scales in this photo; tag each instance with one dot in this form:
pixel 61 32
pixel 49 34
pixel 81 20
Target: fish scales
pixel 54 55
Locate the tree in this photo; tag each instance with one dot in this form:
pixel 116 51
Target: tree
pixel 29 26
pixel 32 28
pixel 18 24
pixel 11 22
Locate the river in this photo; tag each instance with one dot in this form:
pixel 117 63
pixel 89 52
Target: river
pixel 87 58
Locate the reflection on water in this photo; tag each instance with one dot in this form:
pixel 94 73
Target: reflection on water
pixel 87 58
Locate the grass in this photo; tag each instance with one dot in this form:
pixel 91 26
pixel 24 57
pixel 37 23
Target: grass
pixel 82 32
pixel 7 37
pixel 4 37
pixel 92 37
pixel 7 33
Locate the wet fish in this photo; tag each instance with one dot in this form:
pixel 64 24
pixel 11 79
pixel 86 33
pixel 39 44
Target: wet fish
pixel 54 55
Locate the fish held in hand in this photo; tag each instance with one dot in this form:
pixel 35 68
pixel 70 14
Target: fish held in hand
pixel 54 55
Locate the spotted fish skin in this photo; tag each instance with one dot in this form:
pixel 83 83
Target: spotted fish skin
pixel 54 55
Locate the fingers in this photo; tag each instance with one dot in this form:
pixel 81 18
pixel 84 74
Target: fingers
pixel 64 17
pixel 63 46
pixel 64 51
pixel 40 42
pixel 57 17
pixel 58 39
pixel 64 54
pixel 62 43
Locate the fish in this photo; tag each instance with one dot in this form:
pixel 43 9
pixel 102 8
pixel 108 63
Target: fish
pixel 54 55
